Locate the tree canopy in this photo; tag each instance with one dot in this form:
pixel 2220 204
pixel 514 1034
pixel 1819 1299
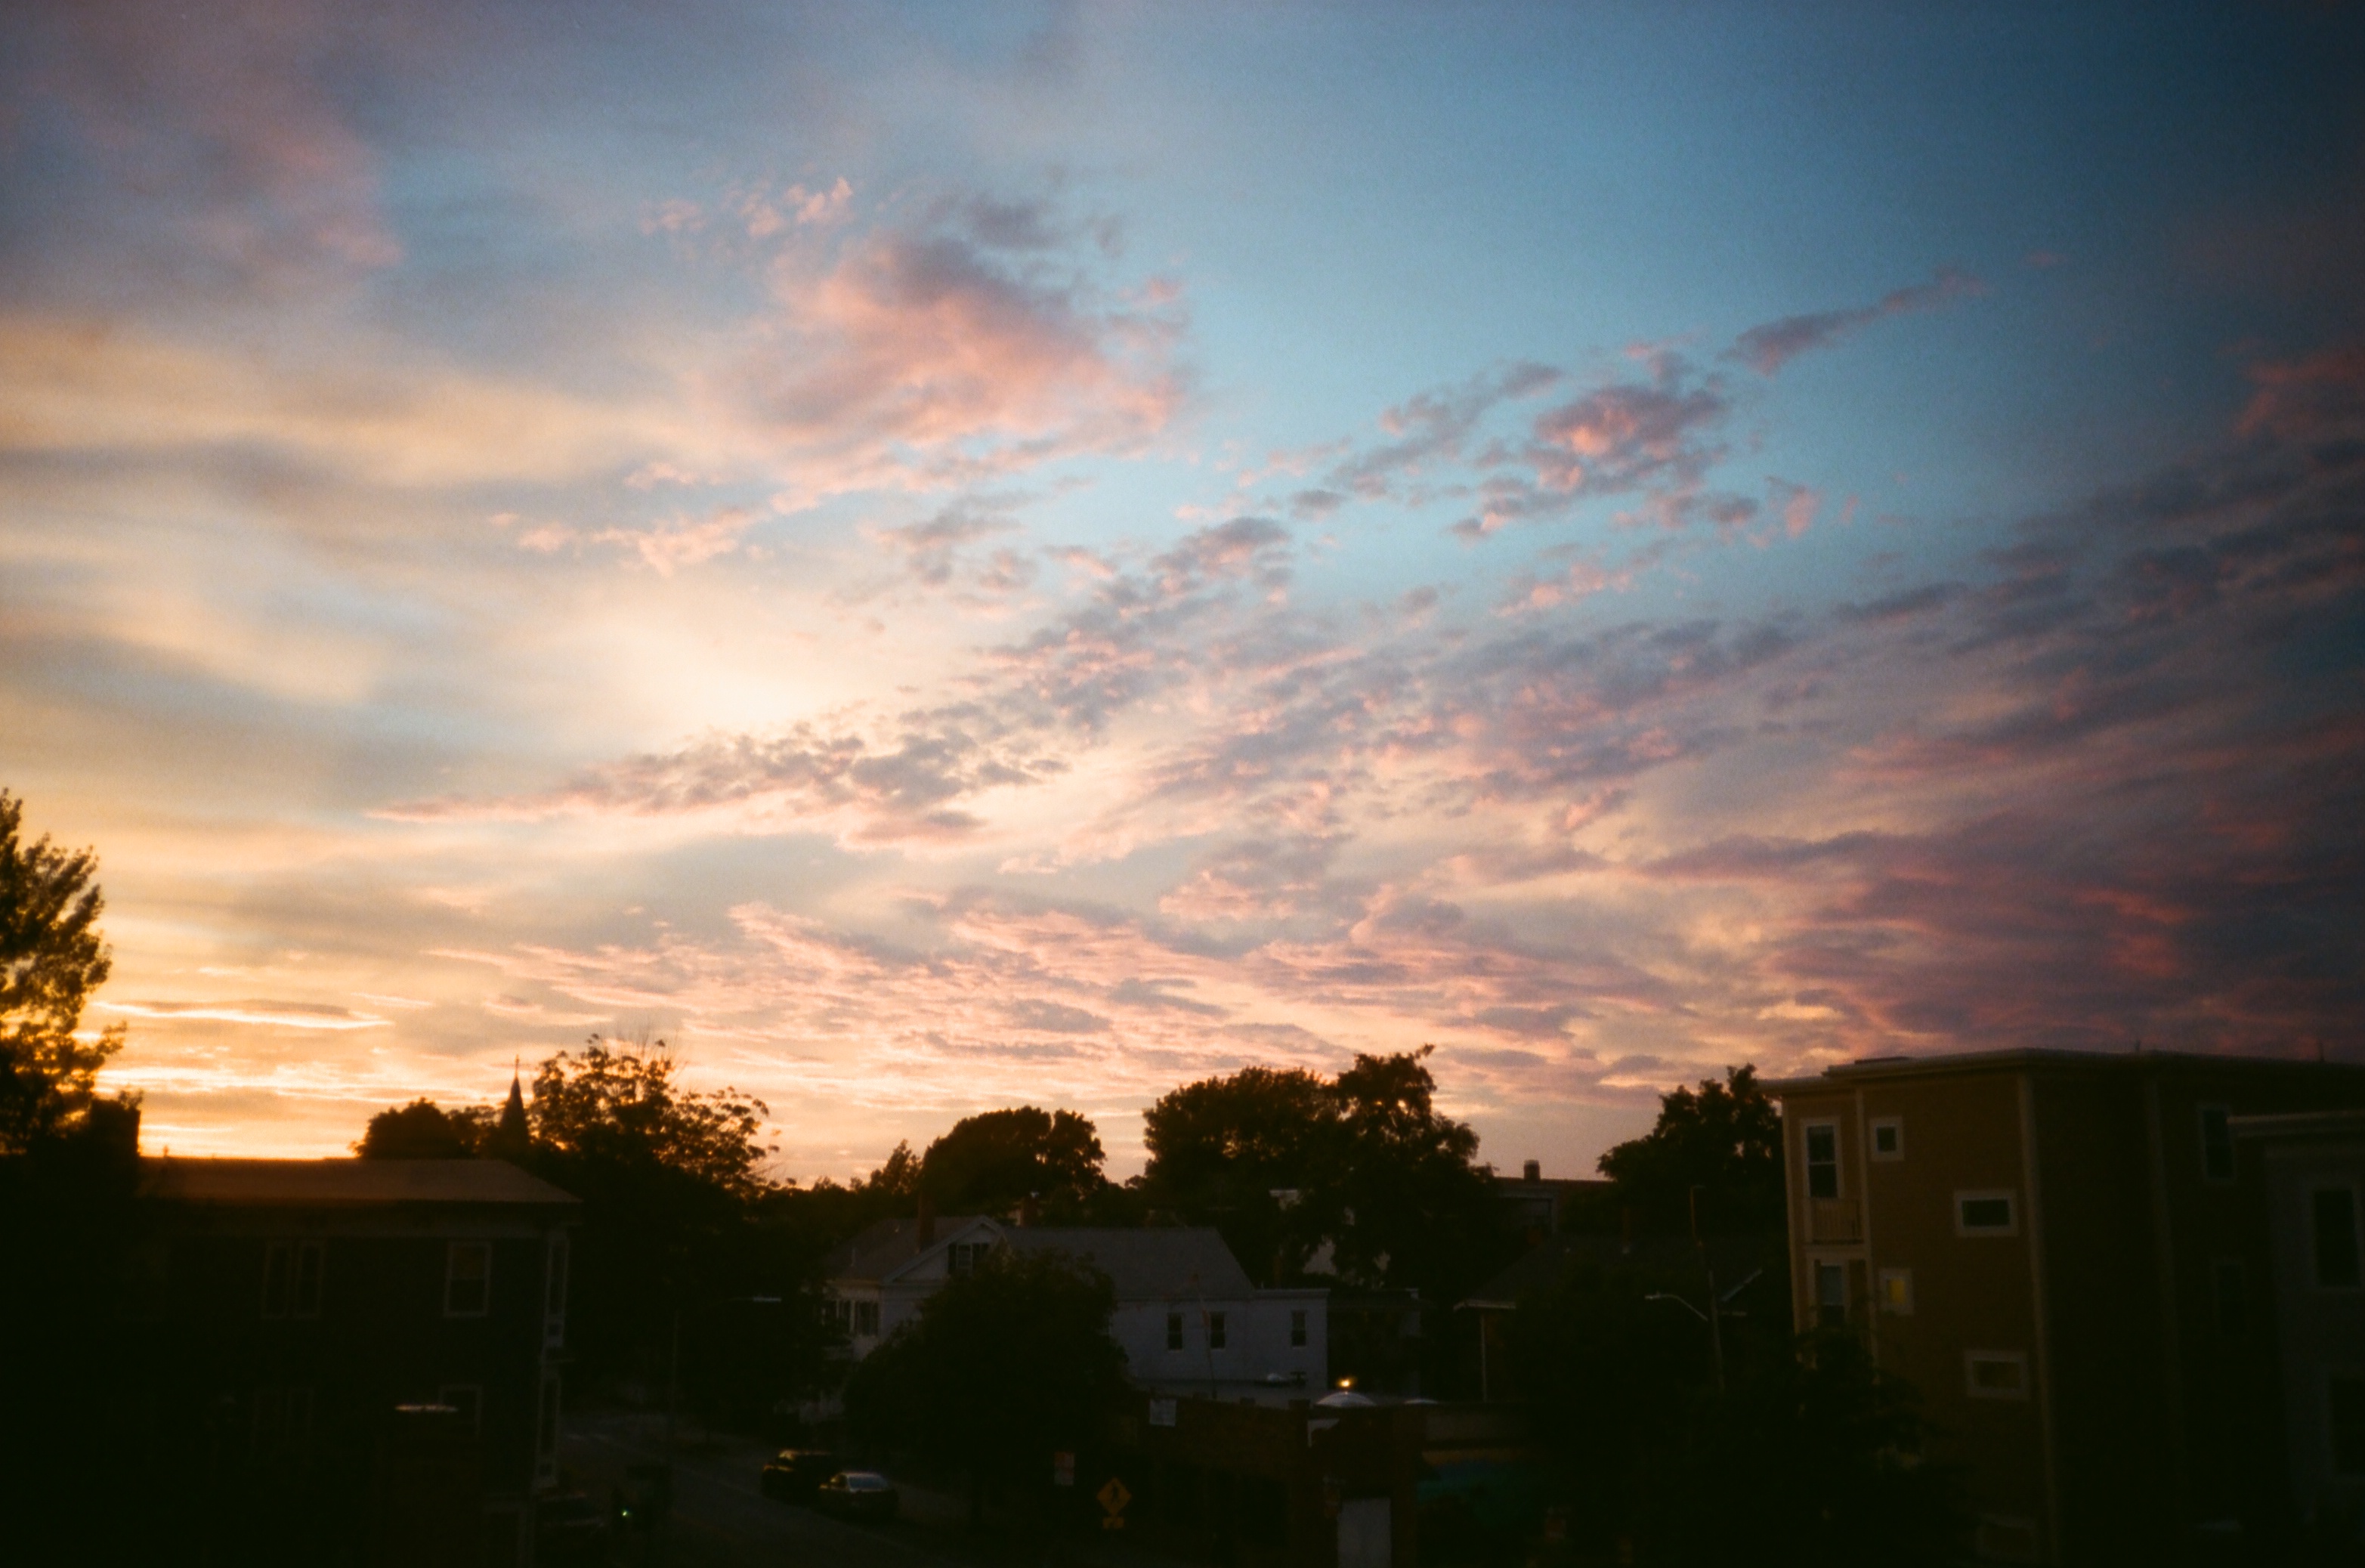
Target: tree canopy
pixel 1725 1139
pixel 1285 1161
pixel 424 1130
pixel 620 1104
pixel 51 957
pixel 999 1368
pixel 995 1160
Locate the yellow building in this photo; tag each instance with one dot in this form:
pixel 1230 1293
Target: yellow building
pixel 2056 1249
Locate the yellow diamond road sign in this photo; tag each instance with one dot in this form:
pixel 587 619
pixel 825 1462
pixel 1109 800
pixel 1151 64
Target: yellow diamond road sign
pixel 1114 1496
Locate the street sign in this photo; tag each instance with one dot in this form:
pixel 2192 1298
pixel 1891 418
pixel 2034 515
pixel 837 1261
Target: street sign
pixel 1113 1496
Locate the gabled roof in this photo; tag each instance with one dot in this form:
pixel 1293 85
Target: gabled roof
pixel 881 1251
pixel 1167 1263
pixel 345 1183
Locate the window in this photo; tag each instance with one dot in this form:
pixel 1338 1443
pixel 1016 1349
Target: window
pixel 467 1398
pixel 308 1280
pixel 2227 1289
pixel 1896 1291
pixel 1889 1138
pixel 960 1258
pixel 1995 1374
pixel 2217 1144
pixel 291 1279
pixel 1831 1296
pixel 468 1278
pixel 1297 1327
pixel 280 1422
pixel 866 1319
pixel 2345 1407
pixel 1174 1331
pixel 2335 1237
pixel 1822 1160
pixel 1986 1213
pixel 553 1295
pixel 1215 1331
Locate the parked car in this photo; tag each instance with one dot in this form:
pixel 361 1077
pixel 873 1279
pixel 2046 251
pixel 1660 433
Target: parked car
pixel 570 1529
pixel 794 1474
pixel 859 1495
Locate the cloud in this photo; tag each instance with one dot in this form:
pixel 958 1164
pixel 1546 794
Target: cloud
pixel 274 1014
pixel 1767 349
pixel 944 353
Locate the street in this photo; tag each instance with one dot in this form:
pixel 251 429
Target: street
pixel 720 1519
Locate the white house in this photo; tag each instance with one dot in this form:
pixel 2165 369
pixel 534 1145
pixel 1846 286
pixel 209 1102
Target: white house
pixel 1187 1316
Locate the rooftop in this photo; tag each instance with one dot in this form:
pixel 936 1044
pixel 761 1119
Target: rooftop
pixel 338 1183
pixel 1166 1263
pixel 1874 1069
pixel 880 1248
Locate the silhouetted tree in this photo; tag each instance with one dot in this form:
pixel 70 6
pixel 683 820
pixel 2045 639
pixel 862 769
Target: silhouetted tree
pixel 993 1161
pixel 424 1130
pixel 670 1188
pixel 999 1368
pixel 1812 1458
pixel 71 1220
pixel 1284 1160
pixel 1725 1139
pixel 51 958
pixel 1811 1455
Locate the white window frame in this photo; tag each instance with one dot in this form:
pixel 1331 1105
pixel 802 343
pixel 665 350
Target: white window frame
pixel 2015 1358
pixel 451 1251
pixel 1886 1123
pixel 2200 1115
pixel 1300 1328
pixel 1901 1308
pixel 1175 1338
pixel 1219 1332
pixel 1839 1267
pixel 866 1310
pixel 555 1283
pixel 2011 1196
pixel 1807 1132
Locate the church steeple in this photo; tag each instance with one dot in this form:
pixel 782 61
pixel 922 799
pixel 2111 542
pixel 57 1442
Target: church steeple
pixel 512 1137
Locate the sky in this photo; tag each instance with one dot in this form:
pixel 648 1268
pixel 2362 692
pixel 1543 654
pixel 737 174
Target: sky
pixel 946 557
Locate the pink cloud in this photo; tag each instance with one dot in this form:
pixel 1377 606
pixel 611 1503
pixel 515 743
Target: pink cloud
pixel 905 359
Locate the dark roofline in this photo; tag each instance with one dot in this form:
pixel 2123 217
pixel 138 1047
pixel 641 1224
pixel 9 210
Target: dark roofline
pixel 1871 1069
pixel 348 1183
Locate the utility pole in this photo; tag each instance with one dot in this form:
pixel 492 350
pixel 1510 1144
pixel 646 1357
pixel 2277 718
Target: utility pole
pixel 1715 1304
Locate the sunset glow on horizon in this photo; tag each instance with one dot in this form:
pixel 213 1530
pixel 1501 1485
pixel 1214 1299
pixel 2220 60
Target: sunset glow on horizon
pixel 951 556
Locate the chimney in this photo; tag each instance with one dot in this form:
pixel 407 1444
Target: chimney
pixel 927 1221
pixel 1533 1171
pixel 1030 1213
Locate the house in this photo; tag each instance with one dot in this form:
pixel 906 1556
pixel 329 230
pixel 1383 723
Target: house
pixel 2040 1242
pixel 350 1351
pixel 1187 1316
pixel 1539 1205
pixel 2289 1306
